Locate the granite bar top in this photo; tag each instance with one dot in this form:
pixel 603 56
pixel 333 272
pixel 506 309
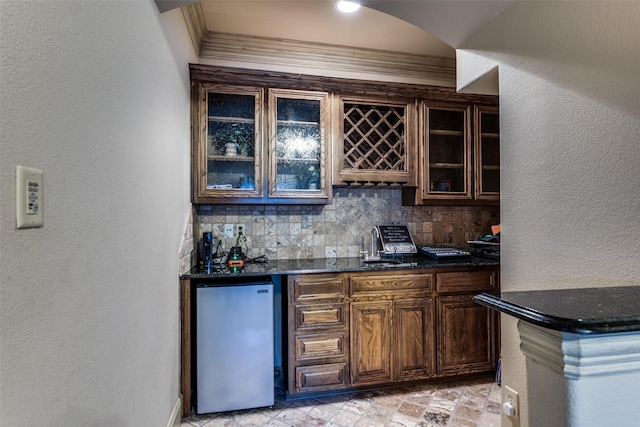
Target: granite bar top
pixel 331 265
pixel 581 311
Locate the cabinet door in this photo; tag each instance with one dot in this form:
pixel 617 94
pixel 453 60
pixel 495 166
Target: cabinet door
pixel 227 138
pixel 370 342
pixel 466 336
pixel 447 152
pixel 414 342
pixel 298 144
pixel 376 142
pixel 487 153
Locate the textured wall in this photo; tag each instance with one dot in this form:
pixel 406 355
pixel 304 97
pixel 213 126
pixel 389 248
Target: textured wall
pixel 337 229
pixel 570 138
pixel 95 95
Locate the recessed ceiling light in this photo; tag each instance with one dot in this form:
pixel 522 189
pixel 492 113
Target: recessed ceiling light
pixel 347 6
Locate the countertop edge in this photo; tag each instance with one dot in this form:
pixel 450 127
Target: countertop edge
pixel 333 265
pixel 562 324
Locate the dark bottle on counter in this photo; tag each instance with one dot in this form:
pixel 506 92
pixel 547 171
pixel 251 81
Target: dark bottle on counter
pixel 206 255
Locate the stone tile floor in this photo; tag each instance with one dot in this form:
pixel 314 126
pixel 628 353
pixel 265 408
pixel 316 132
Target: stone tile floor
pixel 467 403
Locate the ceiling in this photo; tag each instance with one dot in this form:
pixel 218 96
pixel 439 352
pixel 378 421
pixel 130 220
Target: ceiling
pixel 410 41
pixel 422 27
pixel 318 21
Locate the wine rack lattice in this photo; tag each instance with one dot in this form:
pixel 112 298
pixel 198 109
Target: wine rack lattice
pixel 374 137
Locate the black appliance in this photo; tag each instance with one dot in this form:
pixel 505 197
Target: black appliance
pixel 443 252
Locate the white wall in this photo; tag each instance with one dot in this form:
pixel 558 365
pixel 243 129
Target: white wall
pixel 97 96
pixel 569 75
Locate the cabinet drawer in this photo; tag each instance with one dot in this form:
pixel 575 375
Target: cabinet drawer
pixel 317 286
pixel 319 315
pixel 321 377
pixel 312 347
pixel 390 282
pixel 466 281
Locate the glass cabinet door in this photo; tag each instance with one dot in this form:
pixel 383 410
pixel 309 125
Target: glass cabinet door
pixel 230 143
pixel 487 151
pixel 298 126
pixel 447 153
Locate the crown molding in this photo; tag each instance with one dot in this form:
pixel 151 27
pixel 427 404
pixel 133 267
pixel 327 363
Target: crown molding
pixel 325 57
pixel 284 54
pixel 196 25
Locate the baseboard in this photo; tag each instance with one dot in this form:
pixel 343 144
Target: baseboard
pixel 176 415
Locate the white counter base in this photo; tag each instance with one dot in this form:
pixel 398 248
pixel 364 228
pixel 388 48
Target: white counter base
pixel 581 380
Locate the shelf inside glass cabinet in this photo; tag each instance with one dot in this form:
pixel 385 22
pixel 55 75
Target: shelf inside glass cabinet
pixel 230 173
pixel 231 158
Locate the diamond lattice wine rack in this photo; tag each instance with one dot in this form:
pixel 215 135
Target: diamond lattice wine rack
pixel 376 145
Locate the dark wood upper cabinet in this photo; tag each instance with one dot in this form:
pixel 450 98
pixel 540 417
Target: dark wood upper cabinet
pixel 375 142
pixel 459 154
pixel 487 153
pixel 259 145
pixel 446 152
pixel 274 138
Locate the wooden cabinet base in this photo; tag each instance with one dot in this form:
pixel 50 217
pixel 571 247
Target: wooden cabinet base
pixel 377 329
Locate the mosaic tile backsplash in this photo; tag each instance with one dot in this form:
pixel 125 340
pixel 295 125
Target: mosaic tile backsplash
pixel 342 228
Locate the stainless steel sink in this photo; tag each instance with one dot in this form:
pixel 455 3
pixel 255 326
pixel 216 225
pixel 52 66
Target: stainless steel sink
pixel 389 263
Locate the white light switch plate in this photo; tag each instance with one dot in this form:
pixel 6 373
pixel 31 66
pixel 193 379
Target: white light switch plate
pixel 29 200
pixel 228 231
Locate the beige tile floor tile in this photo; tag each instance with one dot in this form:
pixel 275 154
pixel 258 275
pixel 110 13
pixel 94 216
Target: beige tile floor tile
pixel 467 403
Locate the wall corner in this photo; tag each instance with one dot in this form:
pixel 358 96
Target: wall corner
pixel 476 74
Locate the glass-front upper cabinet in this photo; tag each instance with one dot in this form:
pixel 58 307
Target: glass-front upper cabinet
pixel 487 153
pixel 227 143
pixel 299 144
pixel 447 153
pixel 258 145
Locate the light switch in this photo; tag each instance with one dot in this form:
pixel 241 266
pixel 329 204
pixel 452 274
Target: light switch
pixel 29 200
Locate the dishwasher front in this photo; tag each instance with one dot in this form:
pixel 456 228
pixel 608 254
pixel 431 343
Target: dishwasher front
pixel 234 346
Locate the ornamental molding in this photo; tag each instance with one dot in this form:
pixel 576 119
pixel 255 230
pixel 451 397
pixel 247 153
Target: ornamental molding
pixel 224 48
pixel 196 25
pixel 581 355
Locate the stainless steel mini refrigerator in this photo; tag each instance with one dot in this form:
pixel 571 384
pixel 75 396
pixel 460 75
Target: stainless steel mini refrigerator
pixel 234 355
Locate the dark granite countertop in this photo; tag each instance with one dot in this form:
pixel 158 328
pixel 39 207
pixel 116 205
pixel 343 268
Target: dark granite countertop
pixel 581 311
pixel 331 265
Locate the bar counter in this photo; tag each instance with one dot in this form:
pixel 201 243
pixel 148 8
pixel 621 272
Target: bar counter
pixel 581 311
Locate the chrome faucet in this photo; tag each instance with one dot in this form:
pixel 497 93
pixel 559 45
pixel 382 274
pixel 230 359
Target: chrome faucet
pixel 375 235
